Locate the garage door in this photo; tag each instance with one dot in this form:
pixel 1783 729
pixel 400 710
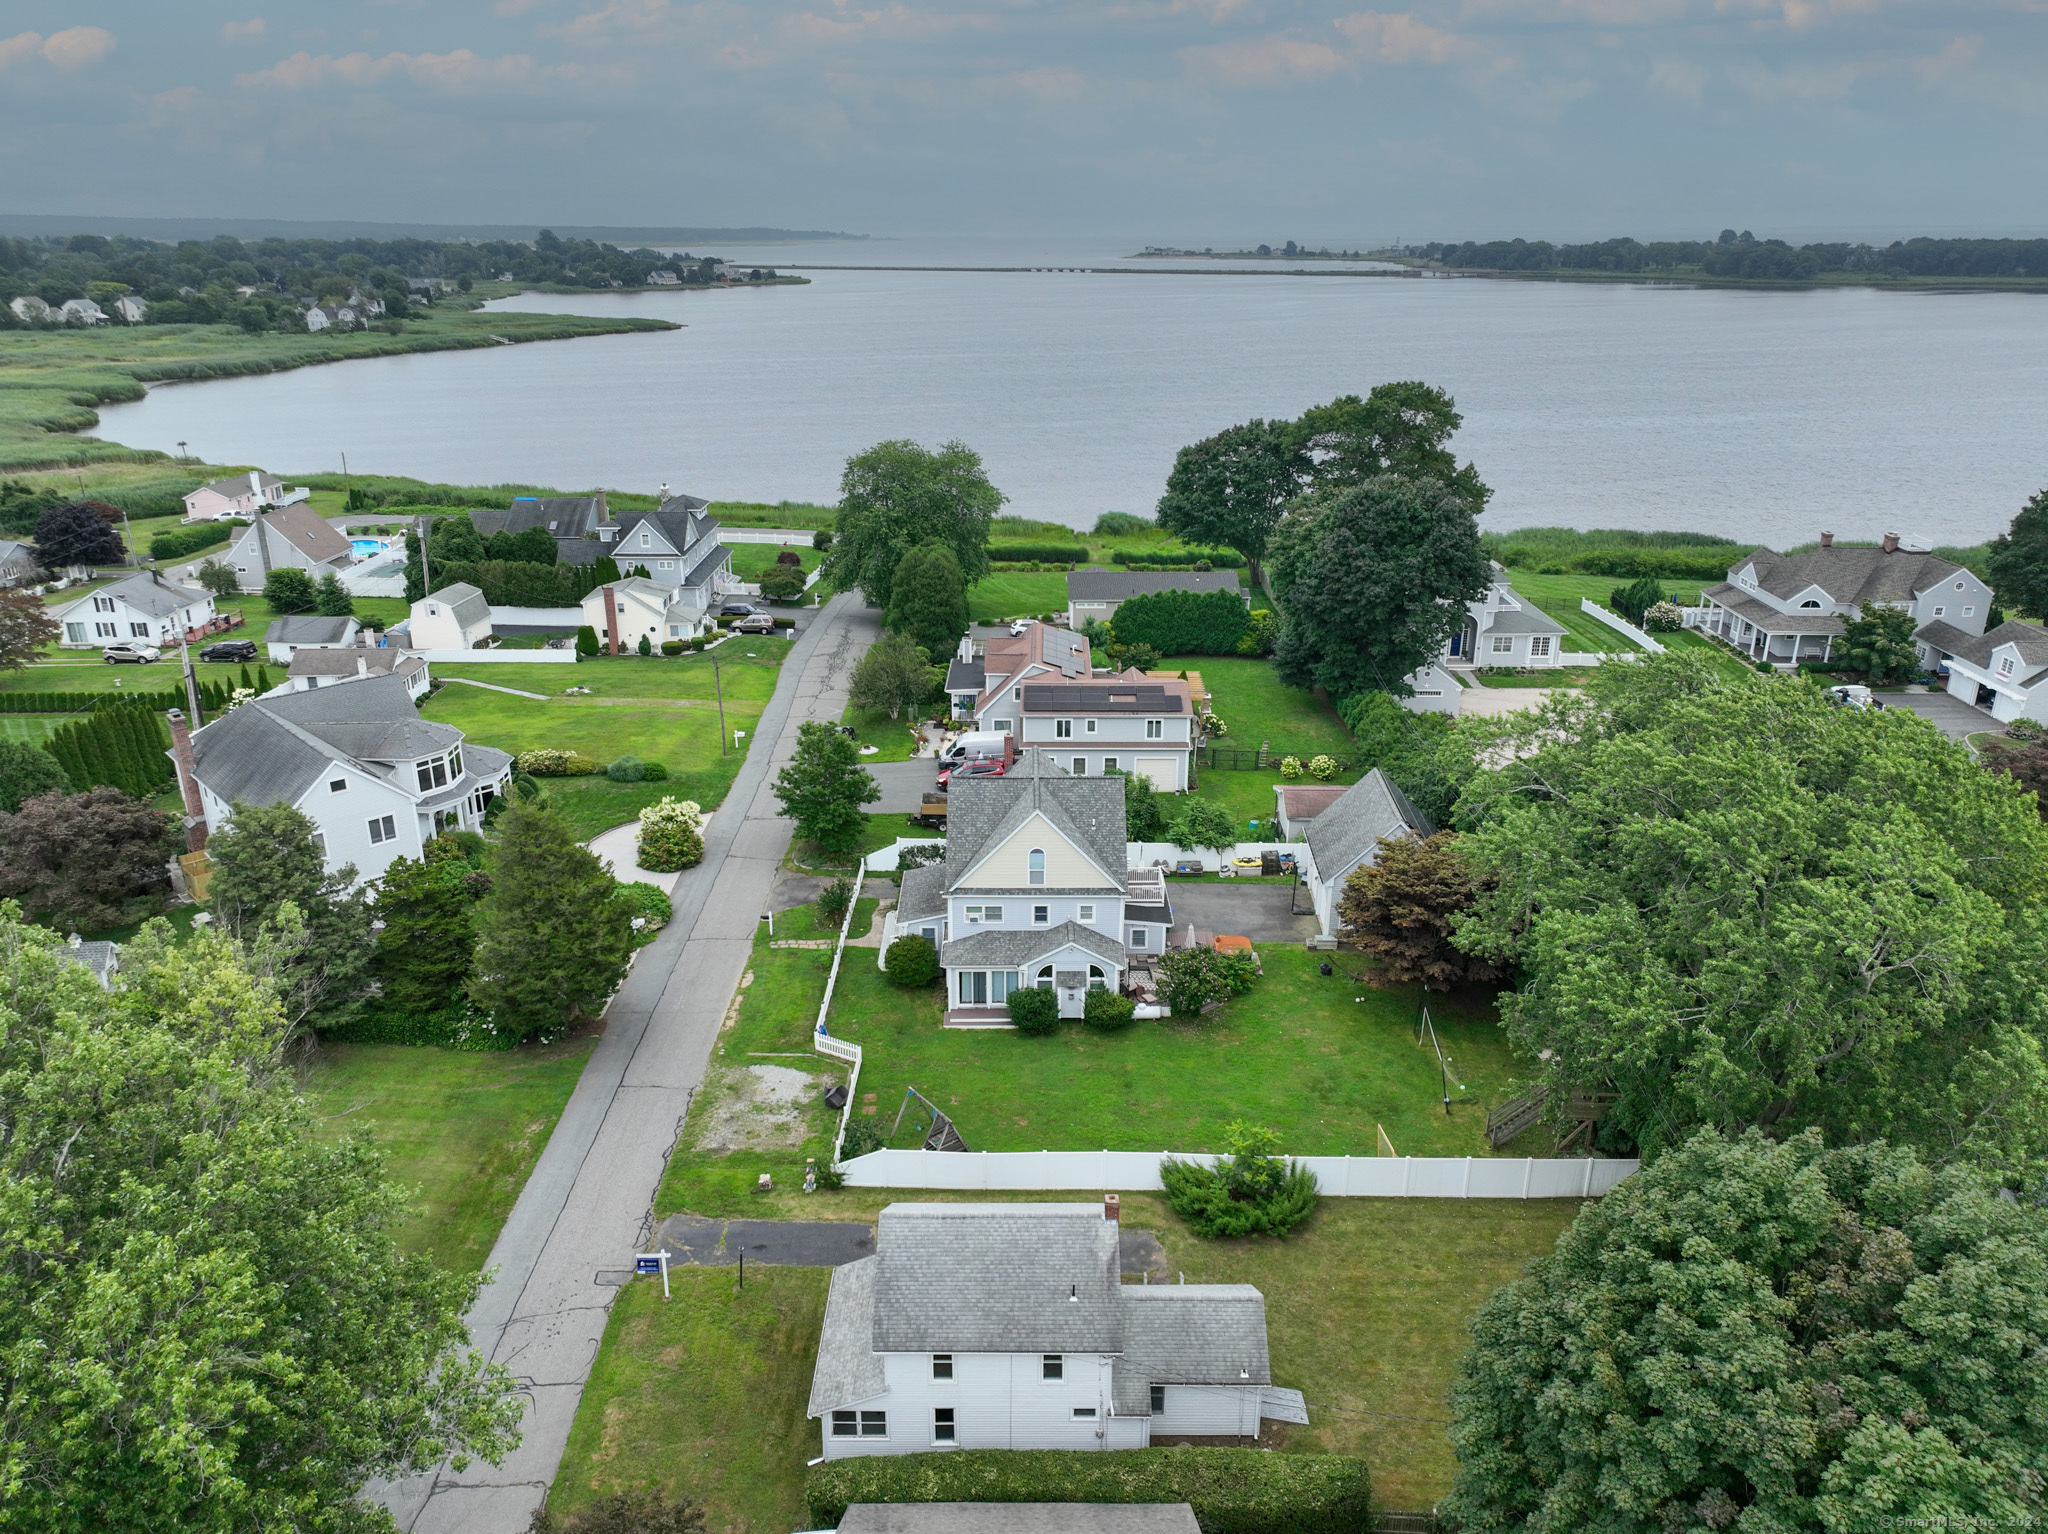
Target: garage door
pixel 1162 771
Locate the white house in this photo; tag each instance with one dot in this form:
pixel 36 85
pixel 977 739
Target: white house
pixel 1503 628
pixel 290 537
pixel 333 317
pixel 286 637
pixel 1034 890
pixel 1125 723
pixel 454 618
pixel 144 607
pixel 82 310
pixel 985 689
pixel 30 310
pixel 2004 671
pixel 377 780
pixel 1788 608
pixel 663 279
pixel 311 668
pixel 1347 833
pixel 677 545
pixel 241 495
pixel 1095 595
pixel 18 563
pixel 622 613
pixel 133 310
pixel 1008 1326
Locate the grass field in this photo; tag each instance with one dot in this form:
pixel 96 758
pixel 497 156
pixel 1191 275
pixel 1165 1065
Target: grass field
pixel 663 710
pixel 750 559
pixel 894 739
pixel 1248 697
pixel 1366 1310
pixel 1022 594
pixel 462 1127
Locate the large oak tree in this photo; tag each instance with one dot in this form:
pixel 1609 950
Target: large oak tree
pixel 1231 489
pixel 899 495
pixel 1399 428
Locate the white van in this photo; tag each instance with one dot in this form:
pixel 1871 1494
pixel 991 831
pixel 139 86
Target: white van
pixel 974 747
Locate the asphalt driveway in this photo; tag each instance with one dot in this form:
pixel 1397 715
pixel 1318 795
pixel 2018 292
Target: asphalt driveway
pixel 904 784
pixel 691 1241
pixel 1952 716
pixel 1257 911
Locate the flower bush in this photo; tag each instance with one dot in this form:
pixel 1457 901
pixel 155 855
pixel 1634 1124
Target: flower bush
pixel 1215 727
pixel 1322 767
pixel 671 836
pixel 1290 767
pixel 550 763
pixel 1663 618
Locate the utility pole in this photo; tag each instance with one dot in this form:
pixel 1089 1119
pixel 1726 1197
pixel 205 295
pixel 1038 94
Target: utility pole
pixel 719 683
pixel 348 489
pixel 191 681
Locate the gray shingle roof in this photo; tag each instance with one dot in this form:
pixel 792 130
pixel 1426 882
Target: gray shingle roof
pixel 563 516
pixel 923 893
pixel 1103 698
pixel 150 594
pixel 1019 1518
pixel 966 676
pixel 378 661
pixel 1013 948
pixel 996 1278
pixel 1530 619
pixel 708 566
pixel 1768 618
pixel 1089 812
pixel 465 601
pixel 309 629
pixel 2030 639
pixel 1370 809
pixel 103 959
pixel 1850 576
pixel 272 749
pixel 1189 1334
pixel 1944 636
pixel 849 1369
pixel 317 539
pixel 1121 585
pixel 257 480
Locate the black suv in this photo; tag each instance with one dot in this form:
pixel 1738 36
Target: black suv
pixel 738 610
pixel 230 649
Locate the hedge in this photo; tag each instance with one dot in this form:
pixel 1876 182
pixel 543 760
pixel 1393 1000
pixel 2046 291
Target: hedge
pixel 457 1028
pixel 1657 564
pixel 1232 1491
pixel 1183 622
pixel 124 748
pixel 1221 559
pixel 182 541
pixel 1045 553
pixel 212 696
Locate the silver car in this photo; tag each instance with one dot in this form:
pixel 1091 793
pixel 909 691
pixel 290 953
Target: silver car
pixel 130 653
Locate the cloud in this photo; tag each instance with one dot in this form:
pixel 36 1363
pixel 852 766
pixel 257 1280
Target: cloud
pixel 1399 39
pixel 1365 38
pixel 72 48
pixel 1266 62
pixel 460 72
pixel 637 16
pixel 244 31
pixel 1680 78
pixel 895 22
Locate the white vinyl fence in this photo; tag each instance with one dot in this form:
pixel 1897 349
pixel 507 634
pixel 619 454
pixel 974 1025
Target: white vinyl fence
pixel 1338 1176
pixel 795 536
pixel 499 657
pixel 823 1042
pixel 1616 621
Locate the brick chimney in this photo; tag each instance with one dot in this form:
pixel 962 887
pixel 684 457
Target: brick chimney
pixel 1891 543
pixel 611 619
pixel 1112 1208
pixel 1827 540
pixel 188 781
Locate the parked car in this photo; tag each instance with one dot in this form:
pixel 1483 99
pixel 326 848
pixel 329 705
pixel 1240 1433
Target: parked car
pixel 230 649
pixel 738 610
pixel 1021 626
pixel 759 623
pixel 130 653
pixel 992 767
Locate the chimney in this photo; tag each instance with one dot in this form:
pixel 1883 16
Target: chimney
pixel 611 618
pixel 604 510
pixel 188 781
pixel 1827 540
pixel 1891 543
pixel 1112 1208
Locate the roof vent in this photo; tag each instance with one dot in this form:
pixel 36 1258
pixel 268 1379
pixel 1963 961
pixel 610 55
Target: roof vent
pixel 1827 540
pixel 1073 1294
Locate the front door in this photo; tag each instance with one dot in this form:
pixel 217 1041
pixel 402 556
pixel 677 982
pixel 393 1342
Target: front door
pixel 1072 985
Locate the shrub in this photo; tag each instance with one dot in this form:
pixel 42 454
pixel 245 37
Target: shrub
pixel 1237 973
pixel 548 762
pixel 1322 768
pixel 1205 824
pixel 1134 657
pixel 821 540
pixel 673 646
pixel 861 1138
pixel 1107 1011
pixel 1183 622
pixel 779 583
pixel 653 772
pixel 1249 1192
pixel 645 646
pixel 182 541
pixel 833 900
pixel 697 644
pixel 650 906
pixel 790 557
pixel 1122 524
pixel 1665 617
pixel 1261 633
pixel 1034 1011
pixel 1290 767
pixel 1214 727
pixel 1046 553
pixel 911 961
pixel 626 769
pixel 1189 979
pixel 1179 559
pixel 908 858
pixel 2023 729
pixel 586 640
pixel 624 1512
pixel 671 836
pixel 1232 1491
pixel 1636 598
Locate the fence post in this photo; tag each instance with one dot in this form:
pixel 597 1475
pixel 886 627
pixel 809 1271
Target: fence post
pixel 1528 1171
pixel 1586 1187
pixel 1465 1187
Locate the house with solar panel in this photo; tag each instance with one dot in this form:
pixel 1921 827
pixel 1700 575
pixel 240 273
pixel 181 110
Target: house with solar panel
pixel 1010 1326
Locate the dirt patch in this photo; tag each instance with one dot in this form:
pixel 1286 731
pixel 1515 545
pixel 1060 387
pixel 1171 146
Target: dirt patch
pixel 756 1108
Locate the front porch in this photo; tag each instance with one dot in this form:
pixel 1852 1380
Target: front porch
pixel 977 1017
pixel 1760 634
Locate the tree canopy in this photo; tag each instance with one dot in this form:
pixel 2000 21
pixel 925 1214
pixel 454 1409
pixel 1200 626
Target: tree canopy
pixel 824 786
pixel 1374 579
pixel 76 534
pixel 899 495
pixel 2018 563
pixel 266 858
pixel 1734 904
pixel 206 1322
pixel 1401 908
pixel 25 627
pixel 928 599
pixel 26 771
pixel 1399 428
pixel 1770 1336
pixel 894 675
pixel 1881 642
pixel 1231 489
pixel 74 860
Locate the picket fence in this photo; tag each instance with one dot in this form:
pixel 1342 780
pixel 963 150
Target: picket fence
pixel 1338 1176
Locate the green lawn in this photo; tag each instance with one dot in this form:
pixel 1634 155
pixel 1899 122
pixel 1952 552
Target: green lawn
pixel 1020 594
pixel 1247 696
pixel 462 1127
pixel 1366 1310
pixel 895 740
pixel 663 710
pixel 878 832
pixel 750 559
pixel 30 729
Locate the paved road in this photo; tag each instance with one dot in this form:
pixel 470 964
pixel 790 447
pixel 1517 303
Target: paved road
pixel 589 1204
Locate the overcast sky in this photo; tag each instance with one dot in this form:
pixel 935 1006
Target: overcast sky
pixel 1174 120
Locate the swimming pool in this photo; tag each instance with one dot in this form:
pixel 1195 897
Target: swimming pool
pixel 365 547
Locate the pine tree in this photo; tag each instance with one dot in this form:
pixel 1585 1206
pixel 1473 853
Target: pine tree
pixel 424 952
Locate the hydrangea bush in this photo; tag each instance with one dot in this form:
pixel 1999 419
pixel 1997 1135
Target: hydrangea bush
pixel 551 763
pixel 671 836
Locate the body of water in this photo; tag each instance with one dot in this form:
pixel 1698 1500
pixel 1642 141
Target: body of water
pixel 1761 416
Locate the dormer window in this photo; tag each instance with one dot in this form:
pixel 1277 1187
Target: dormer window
pixel 1036 862
pixel 1813 605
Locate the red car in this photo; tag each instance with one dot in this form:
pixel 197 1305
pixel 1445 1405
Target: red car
pixel 992 767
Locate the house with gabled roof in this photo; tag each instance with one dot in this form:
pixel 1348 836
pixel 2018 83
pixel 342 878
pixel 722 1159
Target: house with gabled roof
pixel 313 667
pixel 1345 835
pixel 2004 672
pixel 143 608
pixel 240 495
pixel 1093 596
pixel 287 538
pixel 1503 628
pixel 454 618
pixel 1123 722
pixel 19 563
pixel 309 631
pixel 377 780
pixel 1033 891
pixel 985 687
pixel 1009 1326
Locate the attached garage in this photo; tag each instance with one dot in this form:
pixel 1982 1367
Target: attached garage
pixel 1165 773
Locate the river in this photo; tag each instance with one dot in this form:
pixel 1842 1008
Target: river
pixel 1762 416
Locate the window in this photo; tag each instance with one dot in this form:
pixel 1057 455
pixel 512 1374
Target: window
pixel 978 914
pixel 455 764
pixel 973 987
pixel 338 786
pixel 643 537
pixel 1091 727
pixel 1959 585
pixel 1041 914
pixel 942 1425
pixel 1109 764
pixel 668 564
pixel 1503 643
pixel 434 773
pixel 861 1424
pixel 1000 726
pixel 1158 1399
pixel 1084 1414
pixel 106 630
pixel 1155 729
pixel 383 829
pixel 1939 611
pixel 1539 645
pixel 139 630
pixel 1053 1366
pixel 1080 766
pixel 102 604
pixel 1097 980
pixel 1969 612
pixel 2005 666
pixel 942 1366
pixel 1138 939
pixel 75 632
pixel 1063 729
pixel 1036 862
pixel 1044 981
pixel 1084 914
pixel 320 842
pixel 1810 603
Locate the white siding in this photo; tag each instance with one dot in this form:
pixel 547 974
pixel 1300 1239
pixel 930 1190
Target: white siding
pixel 999 1401
pixel 1209 1411
pixel 1006 867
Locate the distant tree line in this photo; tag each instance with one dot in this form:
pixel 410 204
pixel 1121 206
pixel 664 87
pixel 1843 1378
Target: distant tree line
pixel 1744 255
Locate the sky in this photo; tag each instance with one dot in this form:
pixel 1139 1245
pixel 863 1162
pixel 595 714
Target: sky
pixel 1172 121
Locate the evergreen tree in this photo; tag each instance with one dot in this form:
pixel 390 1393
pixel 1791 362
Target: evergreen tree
pixel 26 771
pixel 415 568
pixel 928 599
pixel 331 599
pixel 2018 562
pixel 290 590
pixel 552 935
pixel 824 786
pixel 424 950
pixel 1881 642
pixel 265 858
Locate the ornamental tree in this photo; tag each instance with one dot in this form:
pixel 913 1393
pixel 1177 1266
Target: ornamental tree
pixel 1377 577
pixel 894 675
pixel 1230 489
pixel 897 496
pixel 1757 1335
pixel 1401 910
pixel 76 534
pixel 73 860
pixel 291 590
pixel 2018 562
pixel 928 599
pixel 1399 428
pixel 207 1321
pixel 1881 642
pixel 824 786
pixel 25 627
pixel 1203 824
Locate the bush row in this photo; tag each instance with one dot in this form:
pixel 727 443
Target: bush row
pixel 124 748
pixel 1183 622
pixel 1232 1491
pixel 180 542
pixel 456 1028
pixel 213 696
pixel 1657 564
pixel 1220 559
pixel 1047 553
